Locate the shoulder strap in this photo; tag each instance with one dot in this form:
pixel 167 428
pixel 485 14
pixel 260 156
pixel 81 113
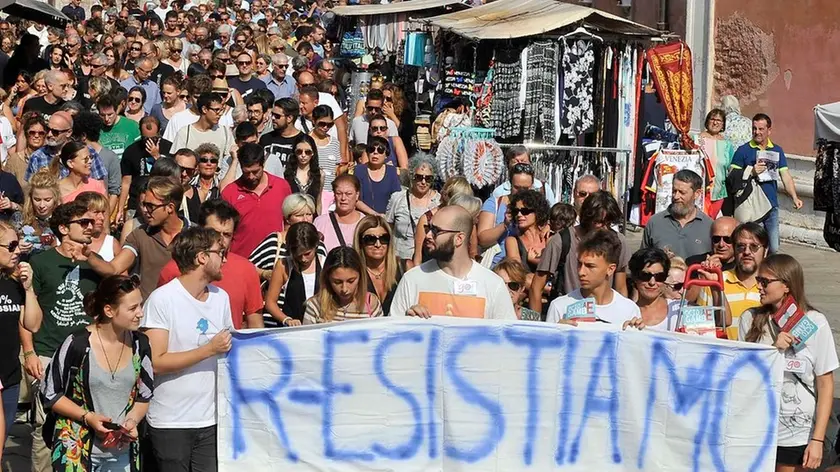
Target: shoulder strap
pixel 410 218
pixel 280 241
pixel 558 286
pixel 774 334
pixel 337 230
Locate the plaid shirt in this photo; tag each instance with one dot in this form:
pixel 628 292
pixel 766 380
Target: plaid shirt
pixel 43 156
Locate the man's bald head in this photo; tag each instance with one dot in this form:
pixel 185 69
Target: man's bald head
pixel 722 230
pixel 454 218
pixel 585 186
pixel 724 226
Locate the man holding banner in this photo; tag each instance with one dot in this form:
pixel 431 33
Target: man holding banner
pixel 452 283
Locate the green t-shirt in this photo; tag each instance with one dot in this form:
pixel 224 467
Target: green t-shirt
pixel 60 285
pixel 123 133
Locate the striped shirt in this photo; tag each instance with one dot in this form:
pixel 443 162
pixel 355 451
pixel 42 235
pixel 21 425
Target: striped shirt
pixel 372 309
pixel 329 156
pixel 740 297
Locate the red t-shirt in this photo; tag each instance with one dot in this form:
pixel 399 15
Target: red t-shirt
pixel 239 279
pixel 259 215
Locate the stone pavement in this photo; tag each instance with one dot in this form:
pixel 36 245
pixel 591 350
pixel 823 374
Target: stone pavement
pixel 822 281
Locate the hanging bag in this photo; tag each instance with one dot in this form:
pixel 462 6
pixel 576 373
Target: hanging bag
pixel 751 203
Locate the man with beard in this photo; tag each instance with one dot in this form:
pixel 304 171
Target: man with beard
pixel 278 143
pixel 258 113
pixel 60 279
pixel 451 283
pixel 682 228
pixel 188 323
pixel 253 194
pixel 58 84
pixel 751 242
pixel 59 130
pixel 150 243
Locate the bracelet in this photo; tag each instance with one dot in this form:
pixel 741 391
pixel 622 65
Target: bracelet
pixel 28 353
pixel 284 321
pixel 818 440
pixel 84 415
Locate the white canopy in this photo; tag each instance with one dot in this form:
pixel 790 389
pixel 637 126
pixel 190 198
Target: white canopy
pixel 827 122
pixel 397 7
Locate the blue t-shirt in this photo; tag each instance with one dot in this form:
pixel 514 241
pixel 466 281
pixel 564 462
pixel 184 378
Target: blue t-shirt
pixel 490 206
pixel 746 156
pixel 377 194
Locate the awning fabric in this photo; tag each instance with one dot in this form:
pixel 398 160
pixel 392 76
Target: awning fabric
pixel 397 7
pixel 505 19
pixel 827 122
pixel 35 10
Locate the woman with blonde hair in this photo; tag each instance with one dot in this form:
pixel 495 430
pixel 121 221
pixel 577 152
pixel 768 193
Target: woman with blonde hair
pixel 31 137
pixel 263 44
pixel 171 50
pixel 807 393
pixel 452 187
pixel 515 277
pixel 673 288
pixel 38 88
pixel 374 241
pixel 343 291
pixel 297 207
pixel 33 223
pixel 103 243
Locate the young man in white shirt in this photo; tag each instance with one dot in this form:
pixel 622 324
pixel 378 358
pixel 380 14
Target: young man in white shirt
pixel 452 283
pixel 188 322
pixel 598 256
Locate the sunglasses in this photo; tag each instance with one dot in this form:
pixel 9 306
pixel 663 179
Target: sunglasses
pixel 675 286
pixel 243 63
pixel 514 286
pixel 370 240
pixel 753 247
pixel 725 239
pixel 83 222
pixel 645 276
pixel 582 194
pixel 282 66
pixel 424 178
pixel 217 76
pixel 764 281
pixel 514 212
pixel 438 231
pixel 373 108
pixel 379 128
pixel 135 49
pixel 304 152
pixel 375 149
pixel 11 246
pixel 56 131
pixel 135 100
pixel 277 116
pixel 33 133
pixel 523 168
pixel 187 170
pixel 208 160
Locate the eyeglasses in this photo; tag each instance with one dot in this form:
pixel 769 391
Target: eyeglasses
pixel 83 222
pixel 152 207
pixel 11 246
pixel 56 131
pixel 304 152
pixel 753 247
pixel 135 100
pixel 84 160
pixel 424 178
pixel 220 252
pixel 34 133
pixel 645 276
pixel 325 124
pixel 371 240
pixel 764 281
pixel 582 194
pixel 375 149
pixel 438 231
pixel 514 286
pixel 208 160
pixel 523 169
pixel 725 239
pixel 379 128
pixel 514 212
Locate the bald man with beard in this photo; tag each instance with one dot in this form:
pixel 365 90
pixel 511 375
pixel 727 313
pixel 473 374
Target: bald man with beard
pixel 452 283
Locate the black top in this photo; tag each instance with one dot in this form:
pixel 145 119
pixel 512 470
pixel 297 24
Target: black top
pixel 161 72
pixel 277 147
pixel 12 298
pixel 77 14
pixel 389 297
pixel 40 105
pixel 246 88
pixel 10 187
pixel 137 163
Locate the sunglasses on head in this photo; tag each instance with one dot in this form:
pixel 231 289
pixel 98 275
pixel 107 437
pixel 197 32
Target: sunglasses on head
pixel 375 149
pixel 717 239
pixel 11 246
pixel 514 212
pixel 370 239
pixel 209 160
pixel 645 276
pixel 424 178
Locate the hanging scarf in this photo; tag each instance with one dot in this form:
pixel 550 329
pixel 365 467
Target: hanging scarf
pixel 672 75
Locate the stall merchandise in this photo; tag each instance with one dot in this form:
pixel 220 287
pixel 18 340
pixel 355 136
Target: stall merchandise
pixel 827 189
pixel 472 153
pixel 658 182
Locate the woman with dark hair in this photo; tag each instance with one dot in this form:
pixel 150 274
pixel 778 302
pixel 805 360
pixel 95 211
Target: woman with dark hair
pixel 134 104
pixel 494 221
pixel 397 156
pixel 99 383
pixel 375 243
pixel 115 71
pixel 379 181
pixel 295 277
pixel 343 291
pixel 18 93
pixel 329 149
pixel 719 150
pixel 649 269
pixel 808 392
pixel 303 172
pixel 75 156
pixel 529 213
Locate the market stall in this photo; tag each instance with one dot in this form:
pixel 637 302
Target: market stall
pixel 827 170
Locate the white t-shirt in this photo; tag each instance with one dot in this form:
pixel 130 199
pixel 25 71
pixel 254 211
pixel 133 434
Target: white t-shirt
pixel 619 310
pixel 442 294
pixel 670 321
pixel 186 399
pixel 178 121
pixel 818 357
pixel 7 135
pixel 330 101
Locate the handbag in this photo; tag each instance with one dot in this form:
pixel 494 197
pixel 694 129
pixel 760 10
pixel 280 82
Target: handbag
pixel 751 203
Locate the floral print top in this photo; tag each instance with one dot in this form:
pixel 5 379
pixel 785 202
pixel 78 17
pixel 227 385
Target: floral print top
pixel 67 375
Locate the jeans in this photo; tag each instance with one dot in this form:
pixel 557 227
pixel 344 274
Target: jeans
pixel 184 450
pixel 10 404
pixel 41 454
pixel 771 224
pixel 111 463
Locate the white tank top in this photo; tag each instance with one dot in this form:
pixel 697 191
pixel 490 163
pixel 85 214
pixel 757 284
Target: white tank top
pixel 106 252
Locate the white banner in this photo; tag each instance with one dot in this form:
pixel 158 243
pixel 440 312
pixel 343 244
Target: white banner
pixel 452 394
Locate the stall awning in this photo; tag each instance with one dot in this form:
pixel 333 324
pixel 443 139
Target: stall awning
pixel 398 7
pixel 505 19
pixel 35 10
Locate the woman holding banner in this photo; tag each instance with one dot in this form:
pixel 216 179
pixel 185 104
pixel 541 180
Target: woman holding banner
pixel 649 268
pixel 343 293
pixel 786 320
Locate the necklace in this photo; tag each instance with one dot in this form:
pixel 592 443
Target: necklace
pixel 375 275
pixel 113 371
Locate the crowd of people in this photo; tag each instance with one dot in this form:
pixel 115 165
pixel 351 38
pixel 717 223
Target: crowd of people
pixel 173 171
